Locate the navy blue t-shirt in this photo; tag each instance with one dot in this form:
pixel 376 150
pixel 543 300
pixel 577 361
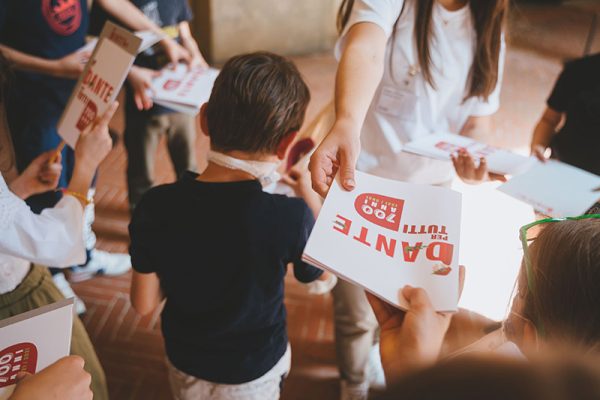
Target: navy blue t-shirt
pixel 49 29
pixel 577 94
pixel 221 252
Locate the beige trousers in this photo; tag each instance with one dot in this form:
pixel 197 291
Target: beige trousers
pixel 267 387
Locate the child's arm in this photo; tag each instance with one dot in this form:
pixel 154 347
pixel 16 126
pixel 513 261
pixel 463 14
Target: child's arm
pixel 300 182
pixel 140 80
pixel 145 292
pixel 188 42
pixel 130 15
pixel 70 66
pixel 544 131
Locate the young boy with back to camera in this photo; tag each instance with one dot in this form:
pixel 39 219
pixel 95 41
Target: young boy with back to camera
pixel 216 246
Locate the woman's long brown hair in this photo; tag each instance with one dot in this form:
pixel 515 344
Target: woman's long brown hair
pixel 489 18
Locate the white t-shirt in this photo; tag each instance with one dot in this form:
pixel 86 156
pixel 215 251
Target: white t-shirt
pixel 405 106
pixel 53 237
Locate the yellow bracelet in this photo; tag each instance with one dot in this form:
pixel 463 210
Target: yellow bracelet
pixel 86 200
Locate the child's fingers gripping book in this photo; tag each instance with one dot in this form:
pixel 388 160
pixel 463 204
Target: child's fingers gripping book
pixel 100 81
pixel 387 234
pixel 31 341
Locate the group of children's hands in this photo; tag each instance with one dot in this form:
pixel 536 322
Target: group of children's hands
pixel 43 173
pixel 140 79
pixel 71 66
pixel 65 380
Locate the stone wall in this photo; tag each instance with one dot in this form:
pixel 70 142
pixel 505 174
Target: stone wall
pixel 289 27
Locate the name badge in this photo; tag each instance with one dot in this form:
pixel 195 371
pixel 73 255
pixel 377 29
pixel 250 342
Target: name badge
pixel 399 101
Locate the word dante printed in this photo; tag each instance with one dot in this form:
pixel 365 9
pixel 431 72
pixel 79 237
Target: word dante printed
pixel 98 86
pixel 434 251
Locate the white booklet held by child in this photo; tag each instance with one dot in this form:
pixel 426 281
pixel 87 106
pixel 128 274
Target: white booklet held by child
pixel 555 189
pixel 149 39
pixel 386 234
pixel 31 341
pixel 100 81
pixel 441 145
pixel 182 89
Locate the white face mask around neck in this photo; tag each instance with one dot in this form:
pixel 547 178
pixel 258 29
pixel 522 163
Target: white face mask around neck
pixel 264 171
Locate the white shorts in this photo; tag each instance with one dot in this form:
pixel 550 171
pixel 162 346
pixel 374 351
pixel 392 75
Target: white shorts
pixel 267 387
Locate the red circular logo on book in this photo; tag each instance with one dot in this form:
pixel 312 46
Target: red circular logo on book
pixel 171 84
pixel 380 210
pixel 21 357
pixel 63 16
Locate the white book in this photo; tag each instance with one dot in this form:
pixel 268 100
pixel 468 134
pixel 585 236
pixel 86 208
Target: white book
pixel 441 145
pixel 149 39
pixel 100 81
pixel 31 341
pixel 555 189
pixel 182 89
pixel 387 234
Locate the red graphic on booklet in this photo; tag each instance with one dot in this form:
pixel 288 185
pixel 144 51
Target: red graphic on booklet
pixel 171 84
pixel 88 115
pixel 21 357
pixel 441 269
pixel 380 210
pixel 63 16
pixel 477 153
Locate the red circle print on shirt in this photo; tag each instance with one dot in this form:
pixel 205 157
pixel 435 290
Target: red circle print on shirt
pixel 63 16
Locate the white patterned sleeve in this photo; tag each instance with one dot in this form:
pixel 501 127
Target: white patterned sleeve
pixel 54 237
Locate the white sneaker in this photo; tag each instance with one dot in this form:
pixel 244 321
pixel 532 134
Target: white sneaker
pixel 375 372
pixel 354 391
pixel 63 285
pixel 101 263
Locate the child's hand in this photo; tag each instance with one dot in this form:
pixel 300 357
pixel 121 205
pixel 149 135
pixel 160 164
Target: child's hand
pixel 71 65
pixel 140 80
pixel 539 152
pixel 466 170
pixel 323 285
pixel 189 43
pixel 65 379
pixel 299 181
pixel 175 52
pixel 413 338
pixel 39 177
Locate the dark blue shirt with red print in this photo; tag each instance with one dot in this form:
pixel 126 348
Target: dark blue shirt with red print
pixel 50 29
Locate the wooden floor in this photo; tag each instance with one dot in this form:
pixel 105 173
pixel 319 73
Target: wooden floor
pixel 131 347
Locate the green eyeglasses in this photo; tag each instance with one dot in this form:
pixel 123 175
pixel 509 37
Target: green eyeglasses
pixel 525 240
